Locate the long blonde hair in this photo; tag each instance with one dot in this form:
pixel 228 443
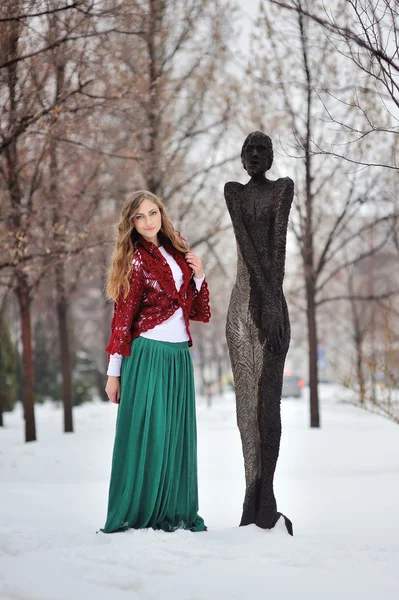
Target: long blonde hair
pixel 126 241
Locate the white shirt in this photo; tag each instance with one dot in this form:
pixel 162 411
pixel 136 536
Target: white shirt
pixel 171 330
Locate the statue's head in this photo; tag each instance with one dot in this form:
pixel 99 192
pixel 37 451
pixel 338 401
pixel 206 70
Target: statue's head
pixel 257 153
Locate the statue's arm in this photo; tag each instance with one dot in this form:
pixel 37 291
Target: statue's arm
pixel 285 196
pixel 275 328
pixel 231 195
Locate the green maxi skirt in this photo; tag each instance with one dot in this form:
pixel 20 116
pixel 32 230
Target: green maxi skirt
pixel 154 464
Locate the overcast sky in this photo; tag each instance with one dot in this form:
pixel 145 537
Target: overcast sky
pixel 248 6
pixel 248 9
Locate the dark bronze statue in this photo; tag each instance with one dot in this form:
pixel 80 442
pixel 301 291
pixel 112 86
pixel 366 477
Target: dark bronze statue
pixel 258 327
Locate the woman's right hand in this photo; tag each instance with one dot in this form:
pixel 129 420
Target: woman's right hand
pixel 113 389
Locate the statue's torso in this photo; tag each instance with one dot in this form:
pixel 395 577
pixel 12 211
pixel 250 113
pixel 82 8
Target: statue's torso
pixel 257 211
pixel 260 226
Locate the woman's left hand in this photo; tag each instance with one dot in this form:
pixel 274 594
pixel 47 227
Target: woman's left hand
pixel 195 263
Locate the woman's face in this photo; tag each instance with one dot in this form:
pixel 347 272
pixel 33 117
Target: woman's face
pixel 148 221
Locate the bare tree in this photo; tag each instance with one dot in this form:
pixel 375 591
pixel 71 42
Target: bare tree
pixel 171 109
pixel 18 218
pixel 98 97
pixel 329 200
pixel 366 35
pixel 24 84
pixel 72 193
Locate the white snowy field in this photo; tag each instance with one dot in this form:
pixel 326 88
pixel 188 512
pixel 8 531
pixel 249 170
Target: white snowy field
pixel 339 485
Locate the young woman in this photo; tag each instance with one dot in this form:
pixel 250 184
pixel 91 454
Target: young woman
pixel 158 285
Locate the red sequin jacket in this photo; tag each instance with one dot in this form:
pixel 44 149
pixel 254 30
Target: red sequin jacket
pixel 153 296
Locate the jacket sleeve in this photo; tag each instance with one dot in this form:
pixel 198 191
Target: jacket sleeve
pixel 125 310
pixel 200 309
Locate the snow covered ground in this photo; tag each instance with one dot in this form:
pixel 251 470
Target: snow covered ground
pixel 339 485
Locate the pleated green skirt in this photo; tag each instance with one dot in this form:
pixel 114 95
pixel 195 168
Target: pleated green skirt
pixel 154 464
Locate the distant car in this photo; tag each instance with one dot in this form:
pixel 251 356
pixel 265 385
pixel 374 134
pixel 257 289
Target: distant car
pixel 292 386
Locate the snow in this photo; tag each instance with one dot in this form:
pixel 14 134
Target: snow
pixel 339 485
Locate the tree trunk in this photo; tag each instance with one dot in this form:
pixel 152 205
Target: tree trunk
pixel 313 370
pixel 156 51
pixel 17 225
pixel 60 284
pixel 308 245
pixel 359 371
pixel 65 353
pixel 220 374
pixel 358 339
pixel 28 398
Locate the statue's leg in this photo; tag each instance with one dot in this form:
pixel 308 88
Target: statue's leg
pixel 269 418
pixel 246 358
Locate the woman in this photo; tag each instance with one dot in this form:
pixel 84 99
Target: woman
pixel 157 285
